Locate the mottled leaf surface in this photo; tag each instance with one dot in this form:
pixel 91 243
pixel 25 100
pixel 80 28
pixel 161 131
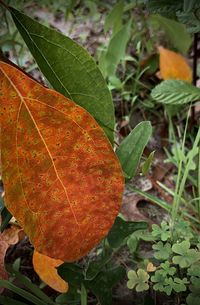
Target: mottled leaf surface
pixel 69 69
pixel 62 180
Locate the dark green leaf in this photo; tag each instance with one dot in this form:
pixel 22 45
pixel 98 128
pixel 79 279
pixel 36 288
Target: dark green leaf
pixel 6 217
pixel 102 285
pixel 96 266
pixel 130 150
pixel 69 69
pixel 122 229
pixel 71 273
pixel 71 297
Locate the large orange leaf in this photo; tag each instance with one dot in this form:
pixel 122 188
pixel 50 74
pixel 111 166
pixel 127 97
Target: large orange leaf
pixel 62 180
pixel 174 66
pixel 45 267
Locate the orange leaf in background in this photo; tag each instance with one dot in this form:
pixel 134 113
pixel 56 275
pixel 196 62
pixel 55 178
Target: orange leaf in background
pixel 174 66
pixel 62 179
pixel 3 248
pixel 45 267
pixel 9 237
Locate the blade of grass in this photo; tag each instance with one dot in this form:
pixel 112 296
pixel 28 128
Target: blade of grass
pixel 10 301
pixel 27 283
pixel 26 295
pixel 167 207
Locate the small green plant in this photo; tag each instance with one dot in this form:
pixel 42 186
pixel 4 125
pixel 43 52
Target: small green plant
pixel 176 259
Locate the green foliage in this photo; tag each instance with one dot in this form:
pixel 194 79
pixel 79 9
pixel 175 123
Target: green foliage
pixel 175 92
pixel 138 280
pixel 185 11
pixel 5 216
pixel 69 69
pixel 173 273
pixel 161 232
pixel 114 18
pixel 168 284
pixel 175 32
pixel 116 49
pixel 163 251
pixel 100 285
pixel 186 255
pixel 130 150
pixel 147 164
pixel 122 229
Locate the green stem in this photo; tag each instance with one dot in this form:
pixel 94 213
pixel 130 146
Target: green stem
pixel 83 295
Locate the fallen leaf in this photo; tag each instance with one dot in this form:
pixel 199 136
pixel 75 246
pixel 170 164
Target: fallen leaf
pixel 63 182
pixel 174 66
pixel 10 236
pixel 151 267
pixel 45 267
pixel 3 248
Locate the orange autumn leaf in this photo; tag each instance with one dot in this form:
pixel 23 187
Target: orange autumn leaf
pixel 45 267
pixel 174 66
pixel 63 182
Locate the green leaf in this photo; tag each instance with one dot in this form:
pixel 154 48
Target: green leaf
pixel 193 299
pixel 167 269
pixel 186 255
pixel 175 92
pixel 102 285
pixel 130 150
pixel 132 243
pixel 161 232
pixel 163 251
pixel 71 297
pixel 175 32
pixel 69 69
pixel 159 279
pixel 116 49
pixel 71 273
pixel 147 164
pixel 96 266
pixel 194 270
pixel 188 5
pixel 6 217
pixel 114 18
pixel 180 284
pixel 138 280
pixel 190 19
pixel 164 7
pixel 121 229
